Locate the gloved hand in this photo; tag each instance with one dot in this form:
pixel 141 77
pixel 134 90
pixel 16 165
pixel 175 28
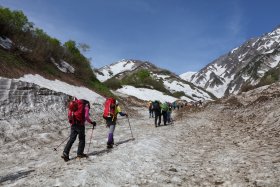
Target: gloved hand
pixel 93 123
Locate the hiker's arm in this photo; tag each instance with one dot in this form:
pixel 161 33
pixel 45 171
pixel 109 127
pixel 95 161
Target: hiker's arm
pixel 87 115
pixel 122 114
pixel 119 111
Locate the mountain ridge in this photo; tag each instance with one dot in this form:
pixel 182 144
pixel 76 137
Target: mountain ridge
pixel 143 74
pixel 242 66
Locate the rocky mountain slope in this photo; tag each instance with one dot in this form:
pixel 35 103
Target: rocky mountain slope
pixel 141 74
pixel 247 65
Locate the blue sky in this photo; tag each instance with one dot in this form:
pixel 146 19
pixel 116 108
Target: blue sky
pixel 179 35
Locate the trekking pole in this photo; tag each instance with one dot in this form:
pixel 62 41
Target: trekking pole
pixel 90 138
pixel 55 149
pixel 130 127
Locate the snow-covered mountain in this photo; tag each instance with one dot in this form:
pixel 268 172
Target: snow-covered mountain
pixel 242 66
pixel 187 76
pixel 147 82
pixel 119 68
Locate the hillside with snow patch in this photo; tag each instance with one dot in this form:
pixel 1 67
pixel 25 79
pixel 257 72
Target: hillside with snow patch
pixel 130 74
pixel 60 86
pixel 110 71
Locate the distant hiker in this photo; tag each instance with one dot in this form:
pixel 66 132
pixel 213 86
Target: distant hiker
pixel 200 102
pixel 174 105
pixel 164 109
pixel 151 112
pixel 169 113
pixel 78 113
pixel 157 111
pixel 111 110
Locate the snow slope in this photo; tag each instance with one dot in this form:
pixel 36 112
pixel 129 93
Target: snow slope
pixel 187 76
pixel 108 72
pixel 59 86
pixel 177 85
pixel 146 94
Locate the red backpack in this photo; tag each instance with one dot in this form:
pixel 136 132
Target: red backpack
pixel 109 108
pixel 76 111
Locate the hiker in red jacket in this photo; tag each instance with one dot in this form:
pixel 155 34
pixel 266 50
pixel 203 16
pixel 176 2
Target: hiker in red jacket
pixel 78 114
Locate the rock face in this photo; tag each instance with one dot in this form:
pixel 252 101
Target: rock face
pixel 24 104
pixel 244 65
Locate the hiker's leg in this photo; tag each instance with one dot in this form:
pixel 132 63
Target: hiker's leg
pixel 82 141
pixel 72 139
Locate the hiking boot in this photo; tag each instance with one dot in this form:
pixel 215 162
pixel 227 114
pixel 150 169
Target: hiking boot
pixel 65 157
pixel 82 155
pixel 109 146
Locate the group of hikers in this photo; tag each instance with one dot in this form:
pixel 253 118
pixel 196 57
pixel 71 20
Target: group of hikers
pixel 78 114
pixel 158 109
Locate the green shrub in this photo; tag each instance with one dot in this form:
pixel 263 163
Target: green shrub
pixel 178 94
pixel 143 74
pixel 247 87
pixel 113 84
pixel 100 88
pixel 270 77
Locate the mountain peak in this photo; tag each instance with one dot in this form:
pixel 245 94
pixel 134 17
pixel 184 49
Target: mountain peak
pixel 242 66
pixel 121 66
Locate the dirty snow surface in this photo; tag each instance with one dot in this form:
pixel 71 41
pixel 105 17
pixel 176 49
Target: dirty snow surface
pixel 235 142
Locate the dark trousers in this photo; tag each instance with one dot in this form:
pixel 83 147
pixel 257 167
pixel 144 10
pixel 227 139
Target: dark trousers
pixel 151 112
pixel 168 116
pixel 164 115
pixel 76 130
pixel 157 118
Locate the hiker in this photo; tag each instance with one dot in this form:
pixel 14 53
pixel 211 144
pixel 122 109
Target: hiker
pixel 174 105
pixel 164 109
pixel 111 110
pixel 151 112
pixel 169 111
pixel 157 111
pixel 78 113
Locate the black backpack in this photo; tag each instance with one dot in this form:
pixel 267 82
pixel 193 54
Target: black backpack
pixel 156 105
